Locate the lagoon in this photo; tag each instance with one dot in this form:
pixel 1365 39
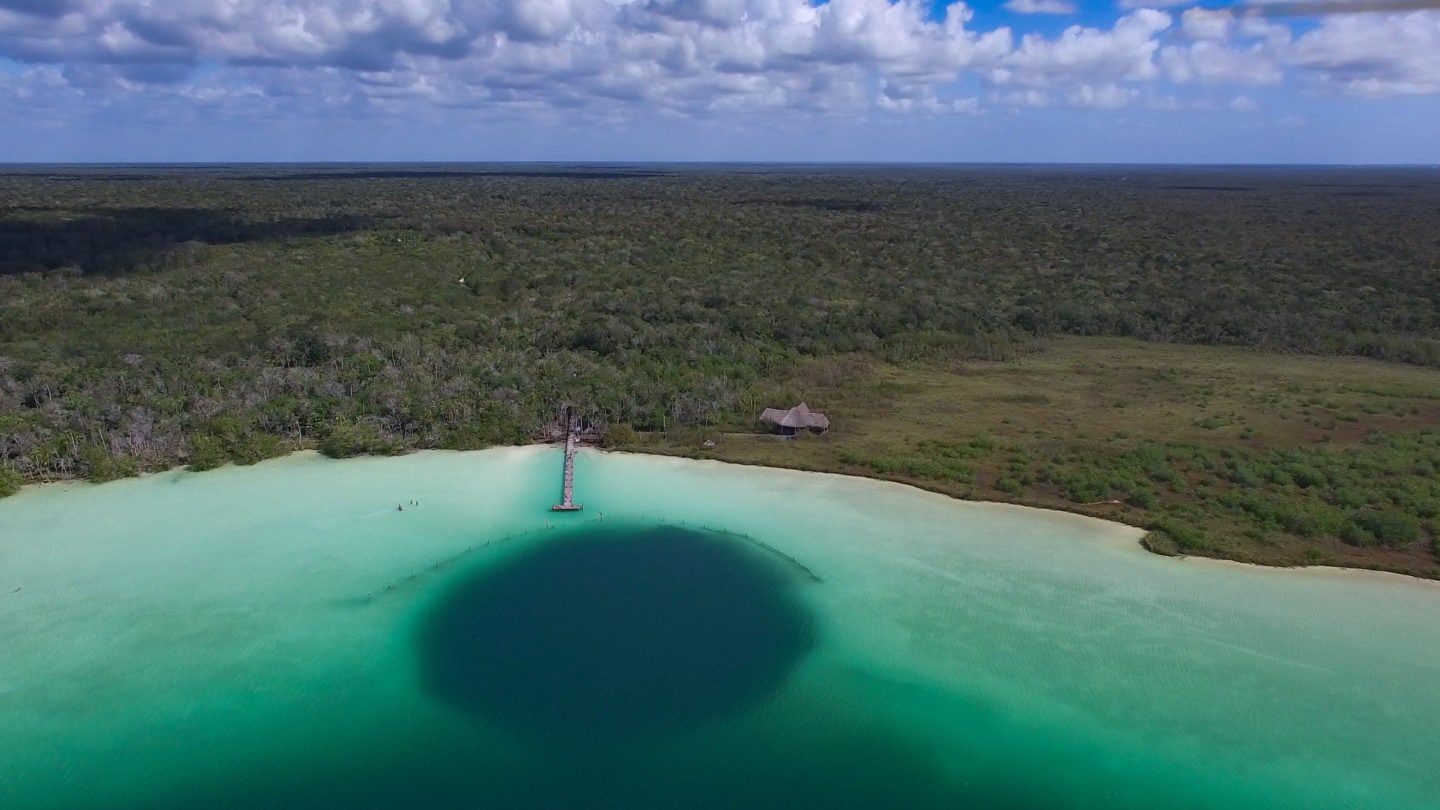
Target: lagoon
pixel 284 636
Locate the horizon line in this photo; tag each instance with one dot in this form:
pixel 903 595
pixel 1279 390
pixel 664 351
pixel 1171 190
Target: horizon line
pixel 564 162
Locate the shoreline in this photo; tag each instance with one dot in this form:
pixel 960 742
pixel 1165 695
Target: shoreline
pixel 1110 533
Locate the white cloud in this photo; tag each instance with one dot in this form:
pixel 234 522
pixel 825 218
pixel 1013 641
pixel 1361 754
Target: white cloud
pixel 38 84
pixel 1103 97
pixel 541 20
pixel 1024 98
pixel 1041 6
pixel 1216 63
pixel 695 58
pixel 1373 54
pixel 685 55
pixel 1132 5
pixel 1087 55
pixel 925 102
pixel 1273 33
pixel 1243 104
pixel 1207 23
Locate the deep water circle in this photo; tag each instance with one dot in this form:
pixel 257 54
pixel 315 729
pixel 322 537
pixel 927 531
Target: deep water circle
pixel 617 632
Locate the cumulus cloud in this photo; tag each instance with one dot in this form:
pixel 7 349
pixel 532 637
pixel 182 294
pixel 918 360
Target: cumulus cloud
pixel 1104 97
pixel 1024 98
pixel 1368 54
pixel 337 32
pixel 1041 6
pixel 1138 4
pixel 1216 63
pixel 1373 55
pixel 1124 53
pixel 1207 23
pixel 675 54
pixel 693 58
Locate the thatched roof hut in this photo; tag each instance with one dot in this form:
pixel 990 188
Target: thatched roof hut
pixel 792 421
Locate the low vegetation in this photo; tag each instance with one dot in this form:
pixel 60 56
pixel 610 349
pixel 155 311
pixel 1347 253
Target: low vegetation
pixel 1274 459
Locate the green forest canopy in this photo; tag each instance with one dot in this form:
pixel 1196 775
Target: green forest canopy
pixel 153 316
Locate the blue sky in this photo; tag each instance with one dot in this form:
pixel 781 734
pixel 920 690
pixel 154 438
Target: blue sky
pixel 786 80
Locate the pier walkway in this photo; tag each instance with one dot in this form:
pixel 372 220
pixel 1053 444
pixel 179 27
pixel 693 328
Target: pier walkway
pixel 567 498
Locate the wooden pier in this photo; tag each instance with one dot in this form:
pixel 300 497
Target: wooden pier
pixel 567 497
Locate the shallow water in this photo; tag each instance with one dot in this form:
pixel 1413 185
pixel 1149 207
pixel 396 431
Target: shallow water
pixel 284 636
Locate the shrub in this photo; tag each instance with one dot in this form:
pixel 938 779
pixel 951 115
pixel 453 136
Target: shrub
pixel 1348 497
pixel 1082 487
pixel 1009 485
pixel 1301 522
pixel 1143 498
pixel 347 439
pixel 255 447
pixel 1244 475
pixel 206 453
pixel 1306 476
pixel 1184 537
pixel 1279 477
pixel 9 482
pixel 226 439
pixel 1356 535
pixel 101 466
pixel 619 435
pixel 1388 527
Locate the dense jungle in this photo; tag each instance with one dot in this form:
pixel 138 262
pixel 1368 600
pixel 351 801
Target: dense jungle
pixel 1246 361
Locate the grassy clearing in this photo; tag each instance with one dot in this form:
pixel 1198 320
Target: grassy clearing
pixel 1265 458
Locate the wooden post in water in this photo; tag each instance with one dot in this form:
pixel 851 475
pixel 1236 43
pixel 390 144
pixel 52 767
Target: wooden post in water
pixel 567 497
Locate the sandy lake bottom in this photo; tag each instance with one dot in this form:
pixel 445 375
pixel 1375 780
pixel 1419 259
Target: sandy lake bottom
pixel 701 636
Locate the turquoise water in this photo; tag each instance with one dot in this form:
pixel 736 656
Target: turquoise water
pixel 284 636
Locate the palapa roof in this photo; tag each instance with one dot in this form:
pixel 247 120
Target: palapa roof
pixel 799 416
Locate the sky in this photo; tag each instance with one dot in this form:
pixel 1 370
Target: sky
pixel 1029 81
